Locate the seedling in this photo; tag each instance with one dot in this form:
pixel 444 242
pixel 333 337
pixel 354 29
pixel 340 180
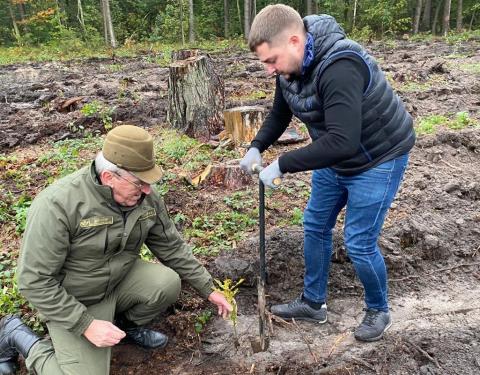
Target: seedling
pixel 230 289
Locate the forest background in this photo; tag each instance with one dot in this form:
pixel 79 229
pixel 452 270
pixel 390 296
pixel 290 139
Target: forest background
pixel 77 25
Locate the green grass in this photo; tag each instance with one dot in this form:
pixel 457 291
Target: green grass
pixel 11 301
pixel 66 155
pixel 240 200
pixel 470 67
pixel 219 231
pixel 157 52
pixel 20 208
pixel 430 124
pixel 103 111
pixel 254 95
pixel 434 80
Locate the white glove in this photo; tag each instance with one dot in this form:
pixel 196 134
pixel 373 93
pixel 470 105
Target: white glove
pixel 271 175
pixel 251 158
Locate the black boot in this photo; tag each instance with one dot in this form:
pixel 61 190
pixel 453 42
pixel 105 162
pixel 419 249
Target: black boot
pixel 148 338
pixel 15 338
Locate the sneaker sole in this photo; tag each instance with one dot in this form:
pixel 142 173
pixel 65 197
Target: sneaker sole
pixel 304 319
pixel 379 337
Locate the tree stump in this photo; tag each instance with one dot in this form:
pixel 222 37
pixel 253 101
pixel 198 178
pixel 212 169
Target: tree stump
pixel 243 123
pixel 229 175
pixel 183 54
pixel 196 98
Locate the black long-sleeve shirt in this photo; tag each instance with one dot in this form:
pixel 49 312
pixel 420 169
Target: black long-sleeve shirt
pixel 341 89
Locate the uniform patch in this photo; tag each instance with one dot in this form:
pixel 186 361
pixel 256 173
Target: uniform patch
pixel 148 214
pixel 96 221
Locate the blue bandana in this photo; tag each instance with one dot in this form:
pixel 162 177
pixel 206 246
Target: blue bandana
pixel 308 55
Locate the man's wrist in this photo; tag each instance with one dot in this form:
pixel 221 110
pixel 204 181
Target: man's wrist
pixel 82 324
pixel 258 145
pixel 281 165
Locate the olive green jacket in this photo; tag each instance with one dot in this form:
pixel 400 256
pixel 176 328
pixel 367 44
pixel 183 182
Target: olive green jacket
pixel 78 244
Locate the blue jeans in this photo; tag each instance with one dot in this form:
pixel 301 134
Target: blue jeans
pixel 367 197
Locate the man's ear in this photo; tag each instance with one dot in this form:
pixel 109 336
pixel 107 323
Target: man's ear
pixel 295 41
pixel 106 178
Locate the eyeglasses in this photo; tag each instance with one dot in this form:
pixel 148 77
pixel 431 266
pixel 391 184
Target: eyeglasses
pixel 138 184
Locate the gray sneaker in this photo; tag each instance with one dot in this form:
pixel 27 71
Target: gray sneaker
pixel 373 326
pixel 300 310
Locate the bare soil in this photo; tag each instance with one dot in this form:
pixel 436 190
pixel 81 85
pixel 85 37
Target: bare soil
pixel 431 239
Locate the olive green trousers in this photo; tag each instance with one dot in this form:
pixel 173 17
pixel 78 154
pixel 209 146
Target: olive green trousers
pixel 147 290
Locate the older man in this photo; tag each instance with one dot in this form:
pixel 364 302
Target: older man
pixel 361 135
pixel 80 268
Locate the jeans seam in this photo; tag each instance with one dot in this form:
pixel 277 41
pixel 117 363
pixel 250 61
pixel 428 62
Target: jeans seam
pixel 377 279
pixel 387 186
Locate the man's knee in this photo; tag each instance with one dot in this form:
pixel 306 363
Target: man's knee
pixel 172 288
pixel 165 289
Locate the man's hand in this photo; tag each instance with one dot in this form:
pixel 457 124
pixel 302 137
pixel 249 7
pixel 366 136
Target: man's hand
pixel 102 333
pixel 270 174
pixel 224 308
pixel 251 158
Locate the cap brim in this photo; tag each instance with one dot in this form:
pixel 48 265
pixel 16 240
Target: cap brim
pixel 151 176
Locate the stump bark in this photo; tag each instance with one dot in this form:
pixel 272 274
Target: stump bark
pixel 243 123
pixel 196 97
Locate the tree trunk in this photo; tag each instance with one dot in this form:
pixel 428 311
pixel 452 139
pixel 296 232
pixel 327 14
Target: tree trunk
pixel 253 11
pixel 21 10
pixel 346 13
pixel 182 31
pixel 105 27
pixel 225 18
pixel 427 15
pixel 316 7
pixel 108 25
pixel 309 7
pixel 239 16
pixel 471 21
pixel 16 31
pixel 191 27
pixel 446 17
pixel 196 97
pixel 80 18
pixel 354 14
pixel 416 20
pixel 435 17
pixel 459 15
pixel 243 123
pixel 246 18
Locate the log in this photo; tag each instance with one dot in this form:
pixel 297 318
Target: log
pixel 243 123
pixel 196 98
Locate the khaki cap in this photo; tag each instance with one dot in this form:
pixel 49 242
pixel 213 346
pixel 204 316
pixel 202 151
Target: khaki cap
pixel 131 148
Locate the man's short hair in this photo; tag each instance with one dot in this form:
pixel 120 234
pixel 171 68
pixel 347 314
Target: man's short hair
pixel 270 22
pixel 102 164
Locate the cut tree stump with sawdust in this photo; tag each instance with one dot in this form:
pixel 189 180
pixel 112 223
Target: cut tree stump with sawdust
pixel 229 175
pixel 243 123
pixel 196 97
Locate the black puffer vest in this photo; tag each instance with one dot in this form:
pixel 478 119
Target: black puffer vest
pixel 387 128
